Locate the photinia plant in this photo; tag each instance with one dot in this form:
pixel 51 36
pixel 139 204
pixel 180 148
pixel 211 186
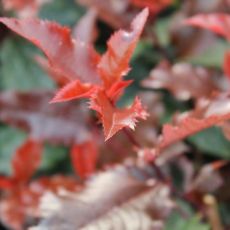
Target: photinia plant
pixel 90 75
pixel 131 180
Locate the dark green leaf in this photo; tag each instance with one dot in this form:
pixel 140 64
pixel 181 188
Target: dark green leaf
pixel 18 68
pixel 213 142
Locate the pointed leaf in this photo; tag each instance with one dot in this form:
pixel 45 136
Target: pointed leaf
pixel 74 90
pixel 114 119
pixel 115 62
pixel 72 58
pixel 85 30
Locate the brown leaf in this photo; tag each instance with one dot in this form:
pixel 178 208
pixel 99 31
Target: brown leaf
pixel 208 179
pixel 21 204
pixel 114 12
pixel 183 80
pixel 60 123
pixel 106 204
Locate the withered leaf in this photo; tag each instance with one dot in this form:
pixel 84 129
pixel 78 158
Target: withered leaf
pixel 105 204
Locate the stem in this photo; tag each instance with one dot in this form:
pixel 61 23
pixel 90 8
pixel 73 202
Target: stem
pixel 131 138
pixel 212 212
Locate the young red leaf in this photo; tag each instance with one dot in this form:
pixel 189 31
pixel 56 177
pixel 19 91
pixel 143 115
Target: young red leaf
pixel 218 23
pixel 155 6
pixel 115 62
pixel 84 158
pixel 227 64
pixel 85 30
pixel 74 59
pixel 114 119
pixel 117 89
pixel 74 90
pixel 26 160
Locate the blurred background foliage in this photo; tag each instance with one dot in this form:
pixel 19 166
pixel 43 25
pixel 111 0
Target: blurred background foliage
pixel 19 71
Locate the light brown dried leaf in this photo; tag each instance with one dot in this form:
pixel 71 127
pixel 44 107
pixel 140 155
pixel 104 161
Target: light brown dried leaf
pixel 105 204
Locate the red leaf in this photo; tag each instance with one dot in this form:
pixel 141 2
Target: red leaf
pixel 227 64
pixel 117 89
pixel 187 127
pixel 74 59
pixel 22 203
pixel 214 112
pixel 85 30
pixel 74 90
pixel 84 158
pixel 79 62
pixel 5 183
pixel 114 119
pixel 155 6
pixel 26 160
pixel 115 62
pixel 218 23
